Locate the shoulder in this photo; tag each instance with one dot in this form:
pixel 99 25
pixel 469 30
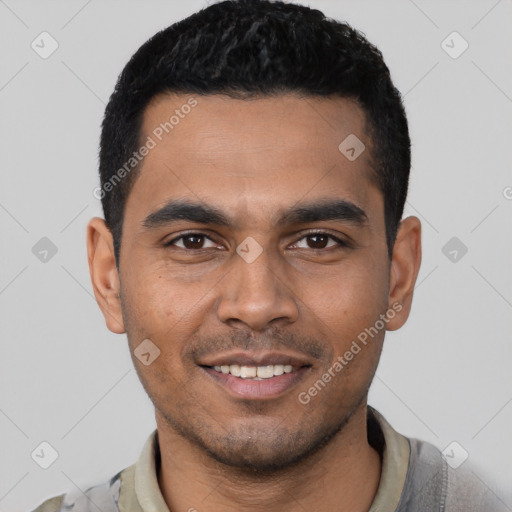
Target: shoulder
pixel 105 495
pixel 51 505
pixel 432 484
pixel 117 493
pixel 467 491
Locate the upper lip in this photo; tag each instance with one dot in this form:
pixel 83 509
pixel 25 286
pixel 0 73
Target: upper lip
pixel 255 359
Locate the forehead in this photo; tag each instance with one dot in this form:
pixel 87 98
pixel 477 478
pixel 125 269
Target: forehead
pixel 251 155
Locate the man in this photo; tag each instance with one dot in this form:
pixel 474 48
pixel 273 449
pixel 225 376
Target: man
pixel 254 166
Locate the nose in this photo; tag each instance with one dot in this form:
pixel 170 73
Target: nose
pixel 257 294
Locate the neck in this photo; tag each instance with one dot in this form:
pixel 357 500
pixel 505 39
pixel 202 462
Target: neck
pixel 342 476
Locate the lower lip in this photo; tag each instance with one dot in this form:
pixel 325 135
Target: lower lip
pixel 257 389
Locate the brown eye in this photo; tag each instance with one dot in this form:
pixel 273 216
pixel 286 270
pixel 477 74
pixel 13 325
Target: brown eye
pixel 319 241
pixel 191 241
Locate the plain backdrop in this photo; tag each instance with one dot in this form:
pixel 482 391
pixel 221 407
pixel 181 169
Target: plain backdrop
pixel 66 380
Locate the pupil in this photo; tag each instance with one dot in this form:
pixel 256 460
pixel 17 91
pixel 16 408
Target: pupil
pixel 196 242
pixel 319 245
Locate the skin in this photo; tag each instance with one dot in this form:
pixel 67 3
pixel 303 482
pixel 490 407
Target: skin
pixel 303 295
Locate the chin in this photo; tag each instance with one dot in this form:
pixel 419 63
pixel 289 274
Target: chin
pixel 263 451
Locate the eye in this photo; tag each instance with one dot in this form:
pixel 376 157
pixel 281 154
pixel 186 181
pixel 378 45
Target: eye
pixel 314 240
pixel 191 241
pixel 319 241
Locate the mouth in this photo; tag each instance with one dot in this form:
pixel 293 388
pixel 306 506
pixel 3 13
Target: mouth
pixel 249 377
pixel 255 372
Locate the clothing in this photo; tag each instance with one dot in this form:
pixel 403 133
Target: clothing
pixel 414 478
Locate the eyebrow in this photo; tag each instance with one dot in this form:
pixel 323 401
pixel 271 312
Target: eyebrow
pixel 177 210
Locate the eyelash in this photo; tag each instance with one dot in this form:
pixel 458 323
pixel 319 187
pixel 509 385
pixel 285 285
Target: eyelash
pixel 341 243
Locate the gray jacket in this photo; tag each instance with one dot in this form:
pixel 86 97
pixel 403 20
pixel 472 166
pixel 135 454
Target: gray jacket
pixel 415 478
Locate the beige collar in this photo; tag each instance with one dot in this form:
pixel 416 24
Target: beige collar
pixel 140 491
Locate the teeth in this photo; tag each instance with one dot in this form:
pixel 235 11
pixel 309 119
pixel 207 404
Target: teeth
pixel 255 372
pixel 248 372
pixel 265 372
pixel 235 370
pixel 278 369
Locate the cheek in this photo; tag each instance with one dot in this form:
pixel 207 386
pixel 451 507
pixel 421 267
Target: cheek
pixel 349 300
pixel 158 310
pixel 160 302
pixel 169 312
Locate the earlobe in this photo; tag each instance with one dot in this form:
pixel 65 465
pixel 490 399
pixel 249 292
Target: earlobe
pixel 104 274
pixel 405 265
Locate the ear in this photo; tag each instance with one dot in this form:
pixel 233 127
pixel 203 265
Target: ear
pixel 104 275
pixel 405 265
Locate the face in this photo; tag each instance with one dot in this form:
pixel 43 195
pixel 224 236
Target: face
pixel 252 246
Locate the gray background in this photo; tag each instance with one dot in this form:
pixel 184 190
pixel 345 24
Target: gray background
pixel 67 380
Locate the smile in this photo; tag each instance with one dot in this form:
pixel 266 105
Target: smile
pixel 256 382
pixel 255 372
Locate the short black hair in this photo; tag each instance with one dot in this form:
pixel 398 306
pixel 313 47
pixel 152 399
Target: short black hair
pixel 247 48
